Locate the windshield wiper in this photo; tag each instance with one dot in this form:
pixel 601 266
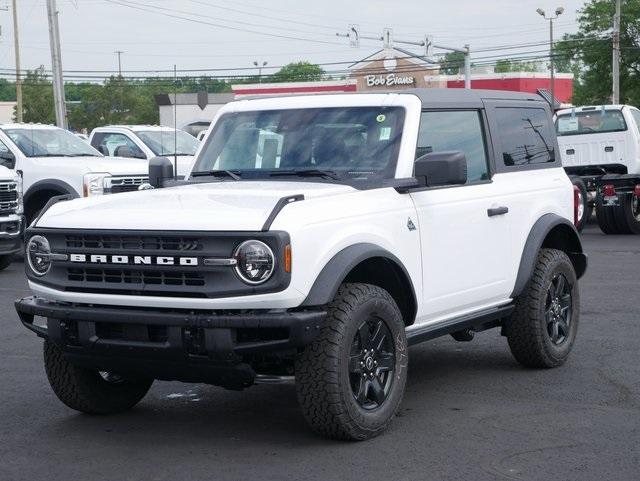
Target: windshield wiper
pixel 218 173
pixel 306 173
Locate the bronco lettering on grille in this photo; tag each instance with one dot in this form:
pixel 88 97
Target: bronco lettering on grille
pixel 135 260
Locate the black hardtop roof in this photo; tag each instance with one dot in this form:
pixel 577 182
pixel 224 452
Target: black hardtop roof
pixel 434 97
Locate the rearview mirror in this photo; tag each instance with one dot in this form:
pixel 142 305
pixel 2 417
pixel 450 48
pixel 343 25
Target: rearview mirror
pixel 441 168
pixel 160 170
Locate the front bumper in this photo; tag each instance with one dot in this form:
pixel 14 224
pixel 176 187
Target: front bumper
pixel 11 230
pixel 196 346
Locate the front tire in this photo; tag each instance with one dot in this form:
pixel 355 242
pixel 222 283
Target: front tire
pixel 90 391
pixel 544 324
pixel 351 379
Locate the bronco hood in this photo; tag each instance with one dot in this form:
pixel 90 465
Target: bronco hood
pixel 218 206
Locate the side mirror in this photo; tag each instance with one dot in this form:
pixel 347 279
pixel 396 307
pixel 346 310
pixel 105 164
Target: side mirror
pixel 160 170
pixel 103 150
pixel 441 168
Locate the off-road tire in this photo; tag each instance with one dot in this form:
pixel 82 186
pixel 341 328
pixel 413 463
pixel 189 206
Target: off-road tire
pixel 86 390
pixel 527 334
pixel 5 261
pixel 322 372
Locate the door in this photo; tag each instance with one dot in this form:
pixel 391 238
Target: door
pixel 464 230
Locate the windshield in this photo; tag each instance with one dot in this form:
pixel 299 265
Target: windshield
pixel 350 142
pixel 590 122
pixel 50 143
pixel 163 142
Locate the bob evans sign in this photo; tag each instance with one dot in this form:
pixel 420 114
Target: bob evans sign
pixel 388 80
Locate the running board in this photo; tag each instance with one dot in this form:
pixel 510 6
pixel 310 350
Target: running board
pixel 478 321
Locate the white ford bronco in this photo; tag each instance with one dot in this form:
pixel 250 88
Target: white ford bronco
pixel 11 222
pixel 54 162
pixel 315 239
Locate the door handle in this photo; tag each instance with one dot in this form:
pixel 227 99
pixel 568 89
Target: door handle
pixel 497 211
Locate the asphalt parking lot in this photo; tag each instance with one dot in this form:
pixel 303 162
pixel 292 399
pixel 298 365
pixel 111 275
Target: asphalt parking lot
pixel 470 412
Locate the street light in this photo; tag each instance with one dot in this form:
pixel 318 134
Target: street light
pixel 559 11
pixel 260 66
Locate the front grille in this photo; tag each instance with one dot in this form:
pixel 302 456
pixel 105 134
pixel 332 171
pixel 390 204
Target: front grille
pixel 126 184
pixel 8 197
pixel 129 277
pixel 115 243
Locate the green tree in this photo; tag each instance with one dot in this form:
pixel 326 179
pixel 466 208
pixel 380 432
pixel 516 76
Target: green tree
pixel 506 65
pixel 37 97
pixel 298 72
pixel 588 53
pixel 7 91
pixel 453 63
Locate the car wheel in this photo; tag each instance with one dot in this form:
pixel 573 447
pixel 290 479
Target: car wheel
pixel 351 379
pixel 543 327
pixel 629 213
pixel 90 391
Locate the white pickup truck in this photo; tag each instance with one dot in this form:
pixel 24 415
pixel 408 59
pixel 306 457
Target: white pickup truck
pixel 600 149
pixel 146 142
pixel 54 162
pixel 11 223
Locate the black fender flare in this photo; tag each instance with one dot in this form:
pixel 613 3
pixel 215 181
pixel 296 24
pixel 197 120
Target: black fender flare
pixel 50 184
pixel 336 270
pixel 540 231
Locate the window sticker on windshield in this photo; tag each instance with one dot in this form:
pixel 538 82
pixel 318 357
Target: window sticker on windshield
pixel 381 118
pixel 385 133
pixel 567 124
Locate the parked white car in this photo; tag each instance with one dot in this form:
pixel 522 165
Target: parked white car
pixel 56 162
pixel 600 149
pixel 11 221
pixel 315 237
pixel 146 142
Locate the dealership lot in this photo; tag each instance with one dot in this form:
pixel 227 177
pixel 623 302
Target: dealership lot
pixel 470 411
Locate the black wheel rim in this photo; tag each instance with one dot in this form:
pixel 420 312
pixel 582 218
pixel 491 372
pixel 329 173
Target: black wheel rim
pixel 558 309
pixel 371 363
pixel 111 377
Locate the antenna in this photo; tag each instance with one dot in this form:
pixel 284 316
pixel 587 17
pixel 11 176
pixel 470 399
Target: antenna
pixel 175 120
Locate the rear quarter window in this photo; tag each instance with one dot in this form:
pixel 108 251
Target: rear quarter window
pixel 526 137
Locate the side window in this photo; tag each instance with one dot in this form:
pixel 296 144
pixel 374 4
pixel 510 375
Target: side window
pixel 455 130
pixel 112 142
pixel 7 159
pixel 525 134
pixel 636 117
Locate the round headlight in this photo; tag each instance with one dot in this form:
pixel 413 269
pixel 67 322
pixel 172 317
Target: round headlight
pixel 38 255
pixel 254 261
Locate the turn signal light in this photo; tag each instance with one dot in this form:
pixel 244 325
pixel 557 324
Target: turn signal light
pixel 287 258
pixel 608 190
pixel 576 204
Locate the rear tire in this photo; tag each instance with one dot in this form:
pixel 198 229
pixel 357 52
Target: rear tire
pixel 544 324
pixel 609 219
pixel 351 379
pixel 89 391
pixel 629 214
pixel 5 261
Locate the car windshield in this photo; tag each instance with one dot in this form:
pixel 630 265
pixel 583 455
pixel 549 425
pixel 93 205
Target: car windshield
pixel 357 143
pixel 590 122
pixel 163 142
pixel 50 143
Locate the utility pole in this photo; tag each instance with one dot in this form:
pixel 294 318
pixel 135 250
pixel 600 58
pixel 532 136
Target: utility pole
pixel 56 65
pixel 16 44
pixel 119 53
pixel 354 37
pixel 552 82
pixel 615 90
